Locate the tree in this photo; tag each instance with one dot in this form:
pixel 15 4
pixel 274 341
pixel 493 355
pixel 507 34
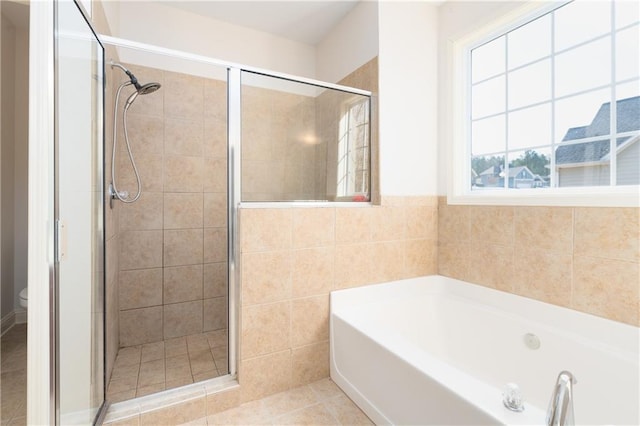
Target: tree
pixel 480 164
pixel 537 163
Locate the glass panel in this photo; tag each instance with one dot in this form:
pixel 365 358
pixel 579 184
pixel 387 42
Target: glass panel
pixel 488 135
pixel 529 168
pixel 79 169
pixel 583 68
pixel 627 13
pixel 530 42
pixel 580 21
pixel 628 53
pixel 583 164
pixel 487 172
pixel 582 116
pixel 529 85
pixel 173 265
pixel 488 97
pixel 628 113
pixel 488 60
pixel 628 120
pixel 303 142
pixel 530 127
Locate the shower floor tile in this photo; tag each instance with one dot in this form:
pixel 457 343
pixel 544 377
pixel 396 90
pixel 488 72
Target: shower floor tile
pixel 153 367
pixel 13 375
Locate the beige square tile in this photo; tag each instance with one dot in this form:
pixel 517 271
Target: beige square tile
pixel 325 389
pixel 201 362
pixel 114 397
pixel 265 229
pixel 388 223
pixel 346 412
pixel 175 414
pixel 215 210
pixel 183 95
pixel 217 338
pixel 182 283
pixel 215 174
pixel 183 247
pixel 182 381
pixel 215 313
pixel 453 259
pixel 215 245
pixel 182 319
pixel 453 222
pixel 313 227
pixel 353 225
pixel 266 277
pixel 313 415
pixel 145 133
pixel 545 228
pixel 352 265
pixel 606 288
pixel 541 275
pixel 222 400
pixel 148 390
pixel 421 258
pixel 492 225
pixel 178 369
pixel 144 214
pixel 612 233
pixel 215 279
pixel 128 356
pixel 491 266
pixel 139 326
pixel 206 375
pixel 175 347
pixel 313 271
pixel 151 373
pixel 140 250
pixel 265 375
pixel 149 169
pixel 215 137
pixel 215 99
pixel 140 288
pixel 250 413
pixel 152 351
pixel 265 328
pixel 422 222
pixel 183 174
pixel 387 261
pixel 197 343
pixel 183 210
pixel 290 400
pixel 183 137
pixel 309 320
pixel 310 363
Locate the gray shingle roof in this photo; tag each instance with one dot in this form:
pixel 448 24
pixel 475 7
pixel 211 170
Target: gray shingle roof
pixel 628 112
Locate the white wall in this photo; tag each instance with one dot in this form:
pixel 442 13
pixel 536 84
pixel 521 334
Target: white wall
pixel 457 19
pixel 350 44
pixel 408 89
pixel 173 28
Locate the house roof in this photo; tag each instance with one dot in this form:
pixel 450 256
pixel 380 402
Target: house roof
pixel 513 171
pixel 628 119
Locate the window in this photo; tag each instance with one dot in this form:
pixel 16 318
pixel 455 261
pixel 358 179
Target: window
pixel 555 102
pixel 353 150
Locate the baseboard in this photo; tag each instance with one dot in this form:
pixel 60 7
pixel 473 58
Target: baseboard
pixel 21 316
pixel 7 322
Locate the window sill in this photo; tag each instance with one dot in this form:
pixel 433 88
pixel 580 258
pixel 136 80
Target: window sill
pixel 624 196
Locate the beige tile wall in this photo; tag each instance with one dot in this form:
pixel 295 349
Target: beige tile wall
pixel 581 258
pixel 293 257
pixel 172 241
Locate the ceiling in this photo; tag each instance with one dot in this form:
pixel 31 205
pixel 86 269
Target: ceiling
pixel 305 21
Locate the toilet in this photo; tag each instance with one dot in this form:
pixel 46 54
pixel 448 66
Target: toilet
pixel 23 297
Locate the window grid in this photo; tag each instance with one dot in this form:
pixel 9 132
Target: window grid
pixel 613 130
pixel 348 149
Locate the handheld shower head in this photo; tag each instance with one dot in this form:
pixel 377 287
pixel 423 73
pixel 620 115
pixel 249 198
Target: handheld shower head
pixel 141 90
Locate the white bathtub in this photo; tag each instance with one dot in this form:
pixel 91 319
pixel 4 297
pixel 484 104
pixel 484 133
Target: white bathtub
pixel 438 351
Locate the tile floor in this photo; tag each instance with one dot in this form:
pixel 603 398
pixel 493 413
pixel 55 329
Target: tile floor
pixel 153 367
pixel 319 403
pixel 13 376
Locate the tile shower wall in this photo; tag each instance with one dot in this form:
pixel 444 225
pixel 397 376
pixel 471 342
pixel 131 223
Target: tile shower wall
pixel 173 240
pixel 292 259
pixel 581 258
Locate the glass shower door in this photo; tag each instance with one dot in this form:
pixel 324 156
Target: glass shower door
pixel 79 218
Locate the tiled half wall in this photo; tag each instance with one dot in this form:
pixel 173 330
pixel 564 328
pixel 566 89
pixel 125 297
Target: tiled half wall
pixel 582 258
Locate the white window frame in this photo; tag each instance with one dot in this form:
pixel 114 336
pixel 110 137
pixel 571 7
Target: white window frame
pixel 345 146
pixel 457 134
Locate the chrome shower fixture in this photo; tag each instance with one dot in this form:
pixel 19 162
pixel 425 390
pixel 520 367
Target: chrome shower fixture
pixel 144 89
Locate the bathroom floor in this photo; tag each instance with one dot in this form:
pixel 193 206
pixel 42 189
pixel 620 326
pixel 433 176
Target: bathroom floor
pixel 153 367
pixel 319 403
pixel 13 376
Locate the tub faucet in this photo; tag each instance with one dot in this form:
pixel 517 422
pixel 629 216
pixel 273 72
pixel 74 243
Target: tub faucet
pixel 560 411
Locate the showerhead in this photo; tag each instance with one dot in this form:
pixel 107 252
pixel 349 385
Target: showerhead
pixel 144 89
